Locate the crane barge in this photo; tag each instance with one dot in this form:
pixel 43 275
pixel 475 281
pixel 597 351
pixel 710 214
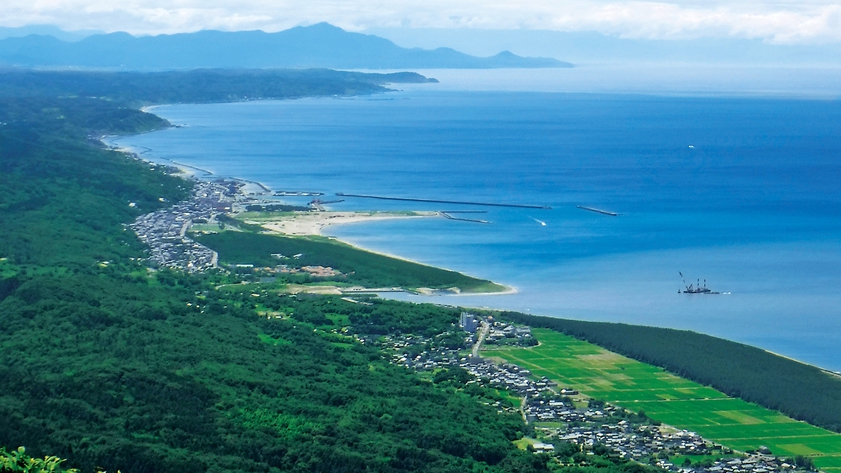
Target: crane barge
pixel 696 288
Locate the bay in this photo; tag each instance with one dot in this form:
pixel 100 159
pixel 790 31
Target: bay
pixel 740 191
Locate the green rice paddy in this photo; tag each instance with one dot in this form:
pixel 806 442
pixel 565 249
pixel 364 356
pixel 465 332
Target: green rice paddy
pixel 680 403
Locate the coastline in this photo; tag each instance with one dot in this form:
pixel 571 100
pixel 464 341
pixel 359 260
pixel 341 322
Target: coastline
pixel 836 374
pixel 187 170
pixel 524 288
pixel 313 224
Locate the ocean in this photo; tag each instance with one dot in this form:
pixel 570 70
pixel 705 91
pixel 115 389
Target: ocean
pixel 742 192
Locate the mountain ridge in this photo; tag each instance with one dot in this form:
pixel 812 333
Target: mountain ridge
pixel 318 46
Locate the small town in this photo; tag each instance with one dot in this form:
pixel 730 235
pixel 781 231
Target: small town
pixel 165 230
pixel 561 415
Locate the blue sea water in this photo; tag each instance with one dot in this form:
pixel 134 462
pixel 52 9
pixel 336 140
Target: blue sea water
pixel 742 192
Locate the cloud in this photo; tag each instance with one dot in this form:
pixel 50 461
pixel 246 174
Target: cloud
pixel 806 21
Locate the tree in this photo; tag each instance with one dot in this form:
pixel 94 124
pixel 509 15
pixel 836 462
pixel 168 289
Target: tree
pixel 18 461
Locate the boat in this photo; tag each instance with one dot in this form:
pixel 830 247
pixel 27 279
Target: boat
pixel 696 288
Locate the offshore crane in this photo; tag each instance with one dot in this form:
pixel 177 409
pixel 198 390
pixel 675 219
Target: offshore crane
pixel 695 288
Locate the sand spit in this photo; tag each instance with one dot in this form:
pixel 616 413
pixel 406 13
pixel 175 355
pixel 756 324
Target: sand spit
pixel 312 223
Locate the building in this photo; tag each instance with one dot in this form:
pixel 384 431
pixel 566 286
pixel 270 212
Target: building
pixel 468 322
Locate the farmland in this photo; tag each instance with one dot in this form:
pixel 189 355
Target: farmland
pixel 601 374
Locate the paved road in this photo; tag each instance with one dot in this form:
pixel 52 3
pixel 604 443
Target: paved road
pixel 483 332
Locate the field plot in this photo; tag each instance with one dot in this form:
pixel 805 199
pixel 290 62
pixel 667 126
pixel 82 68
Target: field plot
pixel 670 399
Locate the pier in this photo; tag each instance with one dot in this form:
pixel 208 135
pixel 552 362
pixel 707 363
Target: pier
pixel 177 164
pixel 297 194
pixel 471 220
pixel 256 183
pixel 598 211
pixel 319 204
pixel 435 201
pixel 259 184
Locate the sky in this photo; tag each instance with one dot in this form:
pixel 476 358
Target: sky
pixel 795 22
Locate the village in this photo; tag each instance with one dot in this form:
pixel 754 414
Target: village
pixel 165 230
pixel 561 416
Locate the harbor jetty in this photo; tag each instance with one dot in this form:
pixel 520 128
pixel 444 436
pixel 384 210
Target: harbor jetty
pixel 258 184
pixel 297 194
pixel 435 201
pixel 448 215
pixel 598 211
pixel 181 165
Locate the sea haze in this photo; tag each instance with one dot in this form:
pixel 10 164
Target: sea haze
pixel 742 192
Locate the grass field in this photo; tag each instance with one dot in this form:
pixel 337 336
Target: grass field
pixel 672 400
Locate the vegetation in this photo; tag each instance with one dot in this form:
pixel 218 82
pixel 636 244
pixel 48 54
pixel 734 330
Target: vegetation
pixel 662 396
pixel 358 266
pixel 196 86
pixel 113 367
pixel 17 461
pixel 735 369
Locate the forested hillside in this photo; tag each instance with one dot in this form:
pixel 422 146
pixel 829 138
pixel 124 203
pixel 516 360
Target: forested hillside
pixel 196 86
pixel 108 365
pixel 755 375
pixel 358 266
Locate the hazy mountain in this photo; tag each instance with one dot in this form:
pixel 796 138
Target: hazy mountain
pixel 45 30
pixel 320 45
pixel 591 47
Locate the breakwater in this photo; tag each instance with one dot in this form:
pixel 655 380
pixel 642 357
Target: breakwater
pixel 462 219
pixel 598 211
pixel 436 201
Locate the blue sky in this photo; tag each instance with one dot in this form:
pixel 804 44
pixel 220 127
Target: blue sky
pixel 773 22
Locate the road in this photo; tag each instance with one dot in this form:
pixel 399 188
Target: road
pixel 483 332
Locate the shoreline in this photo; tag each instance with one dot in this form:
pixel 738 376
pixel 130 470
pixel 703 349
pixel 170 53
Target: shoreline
pixel 317 222
pixel 513 290
pixel 433 292
pixel 312 224
pixel 186 169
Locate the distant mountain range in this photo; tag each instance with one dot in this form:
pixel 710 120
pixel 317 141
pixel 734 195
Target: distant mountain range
pixel 48 30
pixel 321 45
pixel 590 47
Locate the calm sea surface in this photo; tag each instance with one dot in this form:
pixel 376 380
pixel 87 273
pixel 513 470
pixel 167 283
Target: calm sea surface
pixel 742 192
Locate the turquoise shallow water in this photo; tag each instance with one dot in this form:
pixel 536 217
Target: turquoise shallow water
pixel 741 192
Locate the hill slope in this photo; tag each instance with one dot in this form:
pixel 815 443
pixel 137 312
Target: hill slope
pixel 110 366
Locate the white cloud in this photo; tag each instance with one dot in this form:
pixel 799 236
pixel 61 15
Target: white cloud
pixel 807 21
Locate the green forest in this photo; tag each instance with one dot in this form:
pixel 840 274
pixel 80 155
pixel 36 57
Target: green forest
pixel 116 368
pixel 195 86
pixel 735 369
pixel 358 266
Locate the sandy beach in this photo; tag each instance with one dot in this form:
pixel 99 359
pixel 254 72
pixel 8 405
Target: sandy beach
pixel 312 223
